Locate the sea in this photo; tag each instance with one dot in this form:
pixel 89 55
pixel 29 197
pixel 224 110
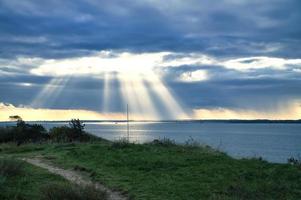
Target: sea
pixel 274 142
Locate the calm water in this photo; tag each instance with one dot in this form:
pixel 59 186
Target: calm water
pixel 273 142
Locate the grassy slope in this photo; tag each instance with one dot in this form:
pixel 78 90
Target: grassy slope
pixel 27 184
pixel 173 172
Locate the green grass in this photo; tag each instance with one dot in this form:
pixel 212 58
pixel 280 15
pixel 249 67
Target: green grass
pixel 163 170
pixel 56 191
pixel 22 180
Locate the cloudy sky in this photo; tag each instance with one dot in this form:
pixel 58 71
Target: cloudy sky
pixel 169 59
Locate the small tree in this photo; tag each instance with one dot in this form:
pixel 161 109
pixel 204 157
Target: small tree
pixel 77 126
pixel 21 124
pixel 15 118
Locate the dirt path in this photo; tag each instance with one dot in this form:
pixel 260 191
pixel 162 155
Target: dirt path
pixel 74 177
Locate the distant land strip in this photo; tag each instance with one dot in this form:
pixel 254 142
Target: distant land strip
pixel 257 121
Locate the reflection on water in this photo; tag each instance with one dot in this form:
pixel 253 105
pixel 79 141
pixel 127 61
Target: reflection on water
pixel 273 142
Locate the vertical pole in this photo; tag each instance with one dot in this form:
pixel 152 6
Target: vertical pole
pixel 128 125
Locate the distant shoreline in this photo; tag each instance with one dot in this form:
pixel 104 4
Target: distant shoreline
pixel 256 121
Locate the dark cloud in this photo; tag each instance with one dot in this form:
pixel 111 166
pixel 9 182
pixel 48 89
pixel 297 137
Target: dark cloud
pixel 223 29
pixel 72 28
pixel 260 89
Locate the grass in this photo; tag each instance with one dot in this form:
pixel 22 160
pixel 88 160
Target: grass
pixel 22 181
pixel 163 170
pixel 71 192
pixel 10 167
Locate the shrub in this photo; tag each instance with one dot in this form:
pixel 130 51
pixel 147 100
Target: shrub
pixel 294 161
pixel 77 126
pixel 6 134
pixel 37 132
pixel 192 143
pixel 10 167
pixel 61 134
pixel 71 192
pixel 68 134
pixel 15 117
pixel 23 133
pixel 166 142
pixel 121 143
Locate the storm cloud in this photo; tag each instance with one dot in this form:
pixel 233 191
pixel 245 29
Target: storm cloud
pixel 221 28
pixel 215 54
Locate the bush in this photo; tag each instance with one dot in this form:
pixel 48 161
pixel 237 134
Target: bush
pixel 10 167
pixel 61 134
pixel 294 161
pixel 6 134
pixel 120 144
pixel 192 143
pixel 67 134
pixel 166 142
pixel 71 192
pixel 77 126
pixel 75 132
pixel 23 133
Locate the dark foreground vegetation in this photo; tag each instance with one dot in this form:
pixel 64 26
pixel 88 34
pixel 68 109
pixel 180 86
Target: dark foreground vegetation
pixel 25 133
pixel 157 170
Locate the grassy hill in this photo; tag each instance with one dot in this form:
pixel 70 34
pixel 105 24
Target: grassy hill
pixel 164 170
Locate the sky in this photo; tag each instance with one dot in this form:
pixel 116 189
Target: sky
pixel 172 59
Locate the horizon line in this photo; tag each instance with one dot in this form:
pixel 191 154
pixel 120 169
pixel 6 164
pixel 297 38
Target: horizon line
pixel 170 120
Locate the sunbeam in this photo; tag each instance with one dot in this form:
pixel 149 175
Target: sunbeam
pixel 138 83
pixel 49 94
pixel 137 96
pixel 169 101
pixel 147 106
pixel 106 91
pixel 129 95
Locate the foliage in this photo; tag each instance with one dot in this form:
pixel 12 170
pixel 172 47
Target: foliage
pixel 61 134
pixel 166 142
pixel 15 117
pixel 192 143
pixel 120 144
pixel 295 161
pixel 75 132
pixel 6 134
pixel 69 134
pixel 22 133
pixel 77 126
